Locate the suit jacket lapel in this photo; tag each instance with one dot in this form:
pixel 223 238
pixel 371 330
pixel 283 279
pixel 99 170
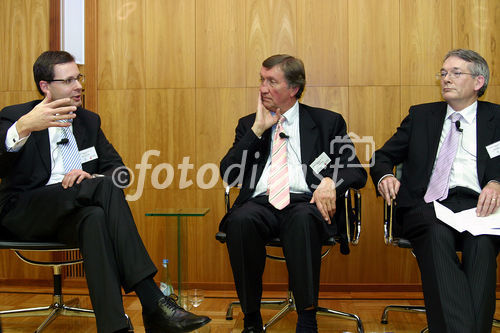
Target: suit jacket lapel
pixel 308 137
pixel 41 139
pixel 434 128
pixel 79 132
pixel 485 131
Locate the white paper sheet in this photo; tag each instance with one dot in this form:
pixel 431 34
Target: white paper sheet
pixel 467 220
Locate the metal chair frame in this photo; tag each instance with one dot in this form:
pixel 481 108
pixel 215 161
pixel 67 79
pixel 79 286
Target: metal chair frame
pixel 58 307
pixel 288 304
pixel 404 243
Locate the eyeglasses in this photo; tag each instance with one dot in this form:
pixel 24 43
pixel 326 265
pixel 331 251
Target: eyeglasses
pixel 453 74
pixel 71 80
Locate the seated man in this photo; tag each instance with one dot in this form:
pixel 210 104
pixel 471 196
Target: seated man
pixel 448 155
pixel 56 167
pixel 291 172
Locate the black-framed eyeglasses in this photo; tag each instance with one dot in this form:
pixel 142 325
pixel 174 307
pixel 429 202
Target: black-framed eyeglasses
pixel 453 74
pixel 70 80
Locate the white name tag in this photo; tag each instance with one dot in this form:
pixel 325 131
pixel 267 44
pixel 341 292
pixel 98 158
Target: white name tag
pixel 88 154
pixel 320 163
pixel 493 149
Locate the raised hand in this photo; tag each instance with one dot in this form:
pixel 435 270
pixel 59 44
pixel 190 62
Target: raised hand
pixel 46 114
pixel 263 118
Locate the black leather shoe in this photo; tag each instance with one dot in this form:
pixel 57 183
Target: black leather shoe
pixel 252 329
pixel 168 317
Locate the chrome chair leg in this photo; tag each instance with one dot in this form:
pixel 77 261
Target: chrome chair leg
pixel 277 304
pixel 400 308
pixel 53 314
pixel 341 315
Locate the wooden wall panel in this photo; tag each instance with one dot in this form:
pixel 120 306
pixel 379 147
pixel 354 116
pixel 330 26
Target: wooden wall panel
pixel 170 44
pixel 268 33
pixel 26 35
pixel 323 23
pixel 373 42
pixel 123 113
pixel 175 76
pixel 425 39
pixel 489 24
pixel 331 98
pixel 464 22
pixel 220 44
pixel 216 121
pixel 121 43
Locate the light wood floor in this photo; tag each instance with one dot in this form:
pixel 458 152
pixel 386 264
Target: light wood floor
pixel 368 306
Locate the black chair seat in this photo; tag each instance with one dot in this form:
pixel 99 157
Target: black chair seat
pixel 34 246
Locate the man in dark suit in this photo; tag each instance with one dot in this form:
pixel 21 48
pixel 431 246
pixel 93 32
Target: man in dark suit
pixel 459 296
pixel 57 184
pixel 291 195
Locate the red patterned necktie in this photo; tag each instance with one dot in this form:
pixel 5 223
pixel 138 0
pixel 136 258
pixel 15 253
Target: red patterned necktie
pixel 279 187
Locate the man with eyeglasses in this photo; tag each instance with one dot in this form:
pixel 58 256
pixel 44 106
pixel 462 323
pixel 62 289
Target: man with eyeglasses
pixel 451 154
pixel 57 171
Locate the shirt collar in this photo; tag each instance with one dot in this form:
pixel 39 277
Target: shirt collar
pixel 468 114
pixel 292 114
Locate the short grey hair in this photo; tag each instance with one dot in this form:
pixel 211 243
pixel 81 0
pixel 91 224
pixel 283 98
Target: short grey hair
pixel 478 66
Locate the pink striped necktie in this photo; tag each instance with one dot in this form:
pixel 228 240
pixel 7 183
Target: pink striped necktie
pixel 440 178
pixel 279 187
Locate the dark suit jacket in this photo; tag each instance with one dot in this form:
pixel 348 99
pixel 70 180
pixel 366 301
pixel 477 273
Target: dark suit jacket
pixel 320 131
pixel 415 144
pixel 30 168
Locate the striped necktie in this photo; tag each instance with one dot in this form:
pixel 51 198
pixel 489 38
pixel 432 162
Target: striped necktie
pixel 440 178
pixel 69 151
pixel 279 187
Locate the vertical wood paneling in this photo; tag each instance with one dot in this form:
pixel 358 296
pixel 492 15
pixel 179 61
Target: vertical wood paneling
pixel 466 32
pixel 373 42
pixel 220 44
pixel 170 43
pixel 323 23
pixel 489 24
pixel 175 76
pixel 425 39
pixel 26 28
pixel 122 113
pixel 330 98
pixel 121 44
pixel 270 29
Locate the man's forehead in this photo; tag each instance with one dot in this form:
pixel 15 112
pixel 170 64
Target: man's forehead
pixel 455 63
pixel 274 71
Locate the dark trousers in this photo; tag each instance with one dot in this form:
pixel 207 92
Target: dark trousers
pixel 95 216
pixel 300 228
pixel 459 295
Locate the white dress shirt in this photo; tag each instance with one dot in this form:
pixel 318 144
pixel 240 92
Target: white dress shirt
pixel 297 179
pixel 464 168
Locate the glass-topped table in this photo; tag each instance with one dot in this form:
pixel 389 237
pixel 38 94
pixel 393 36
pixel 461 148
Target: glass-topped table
pixel 181 214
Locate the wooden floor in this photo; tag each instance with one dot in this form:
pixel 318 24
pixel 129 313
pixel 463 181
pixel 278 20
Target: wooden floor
pixel 368 306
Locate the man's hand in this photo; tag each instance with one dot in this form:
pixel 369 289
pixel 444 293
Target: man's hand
pixel 46 114
pixel 73 176
pixel 389 188
pixel 263 118
pixel 489 199
pixel 324 197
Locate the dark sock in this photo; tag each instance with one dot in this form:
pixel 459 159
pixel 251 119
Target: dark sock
pixel 252 319
pixel 306 321
pixel 148 293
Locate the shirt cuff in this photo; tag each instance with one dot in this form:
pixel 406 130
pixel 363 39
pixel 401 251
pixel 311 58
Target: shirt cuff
pixel 383 177
pixel 12 141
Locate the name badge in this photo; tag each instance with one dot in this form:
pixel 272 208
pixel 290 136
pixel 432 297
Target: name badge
pixel 493 149
pixel 88 154
pixel 320 162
